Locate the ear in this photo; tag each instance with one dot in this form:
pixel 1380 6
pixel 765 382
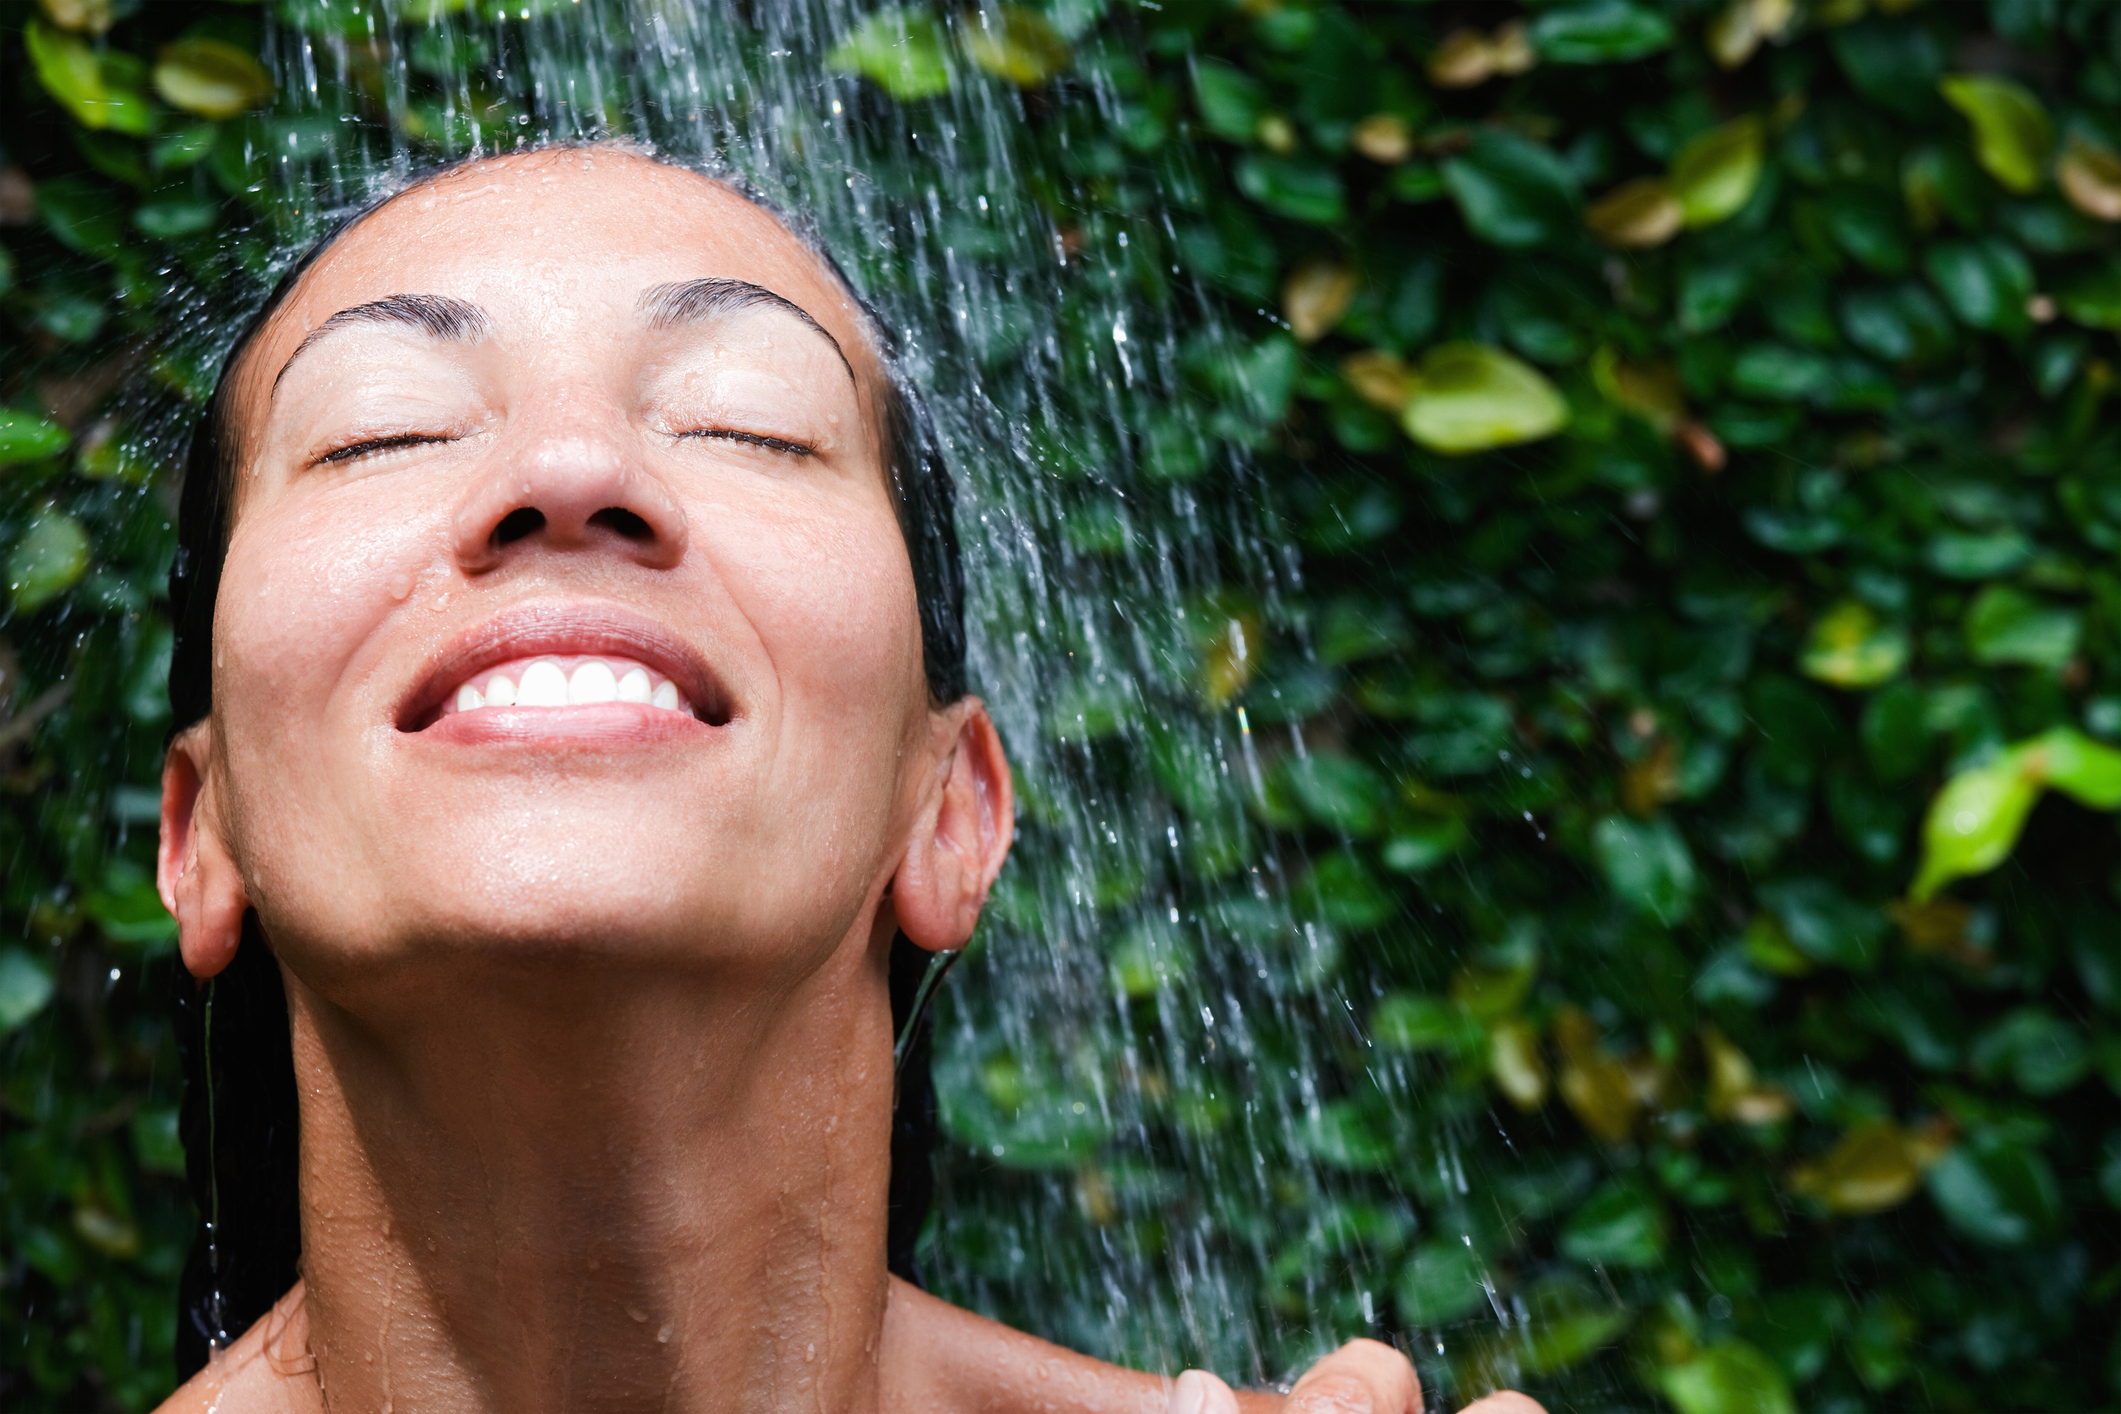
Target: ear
pixel 961 832
pixel 194 871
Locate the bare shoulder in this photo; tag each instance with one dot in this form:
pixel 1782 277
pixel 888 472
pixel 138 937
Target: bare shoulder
pixel 939 1359
pixel 268 1371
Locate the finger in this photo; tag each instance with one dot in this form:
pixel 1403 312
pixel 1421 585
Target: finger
pixel 1362 1377
pixel 1198 1392
pixel 1507 1401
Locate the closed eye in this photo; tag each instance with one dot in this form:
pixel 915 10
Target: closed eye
pixel 753 439
pixel 357 450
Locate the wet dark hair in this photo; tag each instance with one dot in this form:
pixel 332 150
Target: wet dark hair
pixel 240 1125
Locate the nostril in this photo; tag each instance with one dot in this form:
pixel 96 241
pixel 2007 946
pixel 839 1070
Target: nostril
pixel 624 522
pixel 527 520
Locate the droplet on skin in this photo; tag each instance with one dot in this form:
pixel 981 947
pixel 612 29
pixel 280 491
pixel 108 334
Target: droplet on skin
pixel 400 586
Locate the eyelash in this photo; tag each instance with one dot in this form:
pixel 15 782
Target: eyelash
pixel 753 439
pixel 355 451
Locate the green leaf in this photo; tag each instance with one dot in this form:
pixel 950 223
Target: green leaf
pixel 1512 191
pixel 1997 1189
pixel 210 78
pixel 2093 298
pixel 1421 844
pixel 1714 175
pixel 2006 625
pixel 51 555
pixel 1825 924
pixel 1974 821
pixel 171 219
pixel 1338 791
pixel 1986 282
pixel 2043 1054
pixel 1440 1282
pixel 25 987
pixel 1620 1225
pixel 899 48
pixel 1230 100
pixel 85 215
pixel 1647 865
pixel 1728 1378
pixel 1599 32
pixel 1781 373
pixel 1850 647
pixel 26 437
pixel 1472 397
pixel 1410 1021
pixel 1301 190
pixel 1339 889
pixel 1341 1135
pixel 100 91
pixel 2013 136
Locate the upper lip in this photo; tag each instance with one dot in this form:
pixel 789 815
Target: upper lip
pixel 527 630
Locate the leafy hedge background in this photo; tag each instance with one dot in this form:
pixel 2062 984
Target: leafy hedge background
pixel 1692 419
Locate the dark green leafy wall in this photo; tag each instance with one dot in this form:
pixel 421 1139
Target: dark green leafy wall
pixel 1693 418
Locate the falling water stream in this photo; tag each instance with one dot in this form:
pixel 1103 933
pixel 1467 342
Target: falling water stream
pixel 1137 1061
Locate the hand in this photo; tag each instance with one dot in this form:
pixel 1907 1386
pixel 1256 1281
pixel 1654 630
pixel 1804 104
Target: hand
pixel 1362 1377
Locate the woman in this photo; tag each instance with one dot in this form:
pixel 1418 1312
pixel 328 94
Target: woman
pixel 580 740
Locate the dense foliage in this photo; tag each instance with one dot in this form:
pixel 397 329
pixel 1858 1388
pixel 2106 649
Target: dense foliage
pixel 1691 416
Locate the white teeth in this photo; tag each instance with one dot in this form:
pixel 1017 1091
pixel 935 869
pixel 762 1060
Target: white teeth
pixel 592 683
pixel 543 685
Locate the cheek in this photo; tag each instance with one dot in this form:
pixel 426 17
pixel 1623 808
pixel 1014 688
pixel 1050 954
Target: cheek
pixel 831 596
pixel 302 589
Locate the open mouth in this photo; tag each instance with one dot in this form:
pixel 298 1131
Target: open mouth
pixel 571 681
pixel 564 666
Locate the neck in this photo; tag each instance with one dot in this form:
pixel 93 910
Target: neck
pixel 597 1191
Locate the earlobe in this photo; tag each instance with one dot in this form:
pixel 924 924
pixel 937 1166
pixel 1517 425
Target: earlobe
pixel 194 871
pixel 961 832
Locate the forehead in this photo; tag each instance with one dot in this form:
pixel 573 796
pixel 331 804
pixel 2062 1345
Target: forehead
pixel 556 245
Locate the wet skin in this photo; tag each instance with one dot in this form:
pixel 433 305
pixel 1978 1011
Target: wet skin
pixel 590 1024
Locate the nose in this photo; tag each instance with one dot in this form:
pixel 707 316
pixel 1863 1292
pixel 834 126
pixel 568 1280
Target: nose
pixel 569 490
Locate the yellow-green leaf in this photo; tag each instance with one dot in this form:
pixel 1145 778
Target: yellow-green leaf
pixel 1850 647
pixel 1315 296
pixel 2077 766
pixel 1017 44
pixel 2012 133
pixel 1713 176
pixel 100 91
pixel 1974 821
pixel 899 48
pixel 93 16
pixel 2090 176
pixel 1472 397
pixel 1729 1378
pixel 49 557
pixel 210 78
pixel 1636 215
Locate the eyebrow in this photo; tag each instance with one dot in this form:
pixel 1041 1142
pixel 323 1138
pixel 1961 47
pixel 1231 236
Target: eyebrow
pixel 439 316
pixel 688 301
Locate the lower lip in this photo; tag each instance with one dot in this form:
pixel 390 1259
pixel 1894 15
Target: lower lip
pixel 606 724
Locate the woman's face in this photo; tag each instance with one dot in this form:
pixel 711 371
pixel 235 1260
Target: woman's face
pixel 566 608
